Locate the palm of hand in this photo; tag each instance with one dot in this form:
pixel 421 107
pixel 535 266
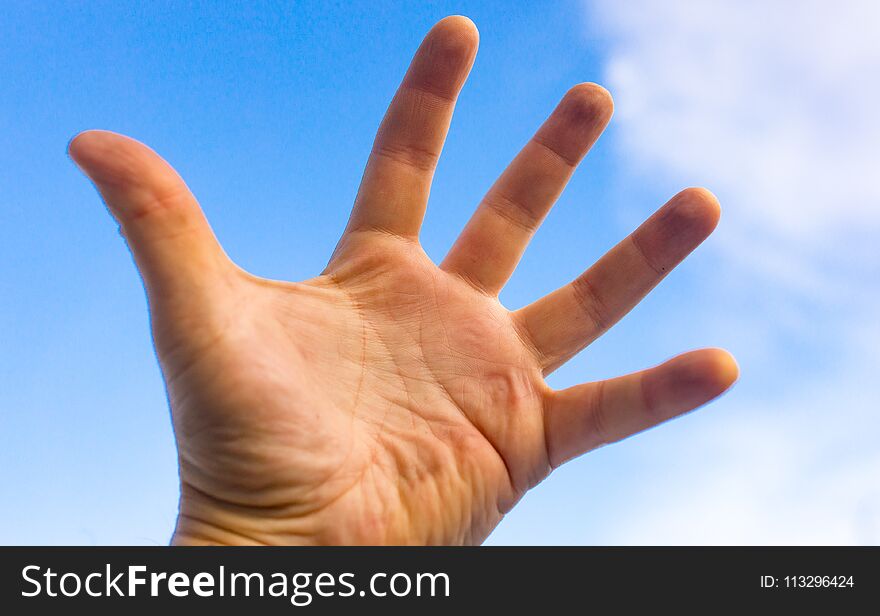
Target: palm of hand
pixel 390 400
pixel 396 404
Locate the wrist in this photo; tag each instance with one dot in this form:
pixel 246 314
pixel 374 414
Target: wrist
pixel 203 520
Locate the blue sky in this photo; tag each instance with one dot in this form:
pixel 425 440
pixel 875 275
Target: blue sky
pixel 268 111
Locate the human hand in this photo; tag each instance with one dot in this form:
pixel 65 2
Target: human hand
pixel 389 400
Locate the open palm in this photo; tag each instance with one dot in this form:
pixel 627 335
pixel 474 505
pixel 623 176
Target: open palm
pixel 389 400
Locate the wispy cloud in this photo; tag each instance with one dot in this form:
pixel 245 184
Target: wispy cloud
pixel 797 469
pixel 771 103
pixel 773 106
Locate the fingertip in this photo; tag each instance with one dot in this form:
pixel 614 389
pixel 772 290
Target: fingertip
pixel 722 370
pixel 445 57
pixel 91 139
pixel 577 122
pixel 703 374
pixel 592 100
pixel 101 154
pixel 72 144
pixel 679 227
pixel 80 144
pixel 116 163
pixel 452 43
pixel 714 375
pixel 689 380
pixel 458 28
pixel 699 208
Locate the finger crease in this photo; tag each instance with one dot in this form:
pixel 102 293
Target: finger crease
pixel 566 160
pixel 590 302
pixel 430 93
pixel 647 402
pixel 421 159
pixel 660 271
pixel 156 203
pixel 512 210
pixel 597 419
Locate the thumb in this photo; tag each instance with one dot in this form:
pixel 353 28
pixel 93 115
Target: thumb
pixel 172 243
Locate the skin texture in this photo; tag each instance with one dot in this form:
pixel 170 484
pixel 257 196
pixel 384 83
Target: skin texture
pixel 389 399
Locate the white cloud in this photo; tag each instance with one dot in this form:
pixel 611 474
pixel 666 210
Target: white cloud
pixel 798 466
pixel 765 477
pixel 773 105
